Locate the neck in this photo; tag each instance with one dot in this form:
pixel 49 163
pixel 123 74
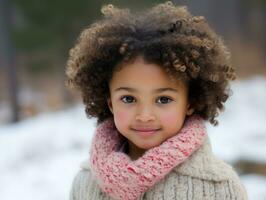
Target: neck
pixel 134 152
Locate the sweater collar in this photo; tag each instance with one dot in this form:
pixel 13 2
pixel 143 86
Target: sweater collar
pixel 203 164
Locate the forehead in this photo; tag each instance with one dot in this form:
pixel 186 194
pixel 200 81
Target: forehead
pixel 139 73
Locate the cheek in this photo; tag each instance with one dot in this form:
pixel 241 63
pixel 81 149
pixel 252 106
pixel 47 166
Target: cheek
pixel 121 118
pixel 168 118
pixel 121 115
pixel 172 120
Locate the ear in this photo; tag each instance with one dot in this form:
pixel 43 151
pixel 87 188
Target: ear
pixel 109 102
pixel 190 110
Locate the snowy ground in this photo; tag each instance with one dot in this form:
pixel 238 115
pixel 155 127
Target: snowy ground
pixel 40 156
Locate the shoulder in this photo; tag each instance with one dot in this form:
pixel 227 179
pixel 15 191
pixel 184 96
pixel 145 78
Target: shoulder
pixel 180 186
pixel 204 167
pixel 83 185
pixel 80 181
pixel 83 177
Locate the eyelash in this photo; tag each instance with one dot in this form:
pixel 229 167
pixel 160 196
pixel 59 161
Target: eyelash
pixel 133 97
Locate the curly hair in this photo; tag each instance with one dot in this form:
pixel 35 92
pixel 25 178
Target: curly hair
pixel 183 45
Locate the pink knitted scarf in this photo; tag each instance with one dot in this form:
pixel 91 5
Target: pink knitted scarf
pixel 126 179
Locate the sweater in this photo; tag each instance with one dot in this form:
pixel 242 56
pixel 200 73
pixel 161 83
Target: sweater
pixel 201 177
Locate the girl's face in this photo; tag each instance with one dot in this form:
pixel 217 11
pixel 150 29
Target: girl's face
pixel 147 106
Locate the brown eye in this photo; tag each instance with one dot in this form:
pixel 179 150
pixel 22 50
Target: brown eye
pixel 165 100
pixel 127 99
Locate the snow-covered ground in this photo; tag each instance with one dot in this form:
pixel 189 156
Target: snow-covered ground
pixel 39 157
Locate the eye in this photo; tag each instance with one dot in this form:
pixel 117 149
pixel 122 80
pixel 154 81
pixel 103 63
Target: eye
pixel 165 100
pixel 127 99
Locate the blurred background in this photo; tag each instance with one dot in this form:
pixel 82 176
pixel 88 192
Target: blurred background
pixel 44 133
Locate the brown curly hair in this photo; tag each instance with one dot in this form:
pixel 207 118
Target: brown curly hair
pixel 168 35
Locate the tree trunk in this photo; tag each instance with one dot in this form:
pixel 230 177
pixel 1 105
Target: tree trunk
pixel 8 57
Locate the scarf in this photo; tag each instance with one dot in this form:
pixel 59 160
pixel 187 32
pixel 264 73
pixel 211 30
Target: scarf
pixel 126 179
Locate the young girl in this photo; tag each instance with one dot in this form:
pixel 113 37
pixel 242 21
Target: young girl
pixel 152 79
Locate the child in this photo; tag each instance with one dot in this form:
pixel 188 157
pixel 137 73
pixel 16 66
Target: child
pixel 145 148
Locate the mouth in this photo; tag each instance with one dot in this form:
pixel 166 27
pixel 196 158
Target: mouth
pixel 146 132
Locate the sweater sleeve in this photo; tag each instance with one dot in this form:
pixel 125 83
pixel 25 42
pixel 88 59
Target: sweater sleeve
pixel 80 185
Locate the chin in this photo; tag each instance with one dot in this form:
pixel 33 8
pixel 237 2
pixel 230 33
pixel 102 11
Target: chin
pixel 147 146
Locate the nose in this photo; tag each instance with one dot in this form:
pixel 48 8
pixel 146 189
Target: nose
pixel 145 114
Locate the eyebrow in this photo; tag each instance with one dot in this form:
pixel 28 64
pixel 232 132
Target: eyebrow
pixel 158 90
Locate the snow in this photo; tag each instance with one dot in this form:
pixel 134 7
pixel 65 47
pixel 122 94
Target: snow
pixel 242 131
pixel 40 156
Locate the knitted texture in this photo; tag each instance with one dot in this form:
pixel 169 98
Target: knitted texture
pixel 121 178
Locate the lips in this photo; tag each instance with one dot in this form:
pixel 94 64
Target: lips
pixel 146 132
pixel 145 129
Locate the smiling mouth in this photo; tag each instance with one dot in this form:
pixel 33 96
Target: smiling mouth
pixel 146 132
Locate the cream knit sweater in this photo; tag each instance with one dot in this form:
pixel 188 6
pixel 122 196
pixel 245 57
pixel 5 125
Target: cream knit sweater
pixel 201 177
